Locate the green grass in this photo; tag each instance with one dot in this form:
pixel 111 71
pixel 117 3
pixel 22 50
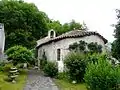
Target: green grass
pixel 65 85
pixel 4 85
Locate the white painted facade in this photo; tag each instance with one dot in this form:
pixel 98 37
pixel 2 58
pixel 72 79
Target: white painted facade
pixel 51 48
pixel 2 39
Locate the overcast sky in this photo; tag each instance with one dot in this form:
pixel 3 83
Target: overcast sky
pixel 99 15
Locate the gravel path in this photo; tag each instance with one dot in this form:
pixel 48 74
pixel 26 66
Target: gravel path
pixel 37 81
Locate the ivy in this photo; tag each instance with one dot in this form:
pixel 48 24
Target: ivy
pixel 83 46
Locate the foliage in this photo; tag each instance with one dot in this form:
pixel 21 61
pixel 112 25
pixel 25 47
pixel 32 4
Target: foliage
pixel 102 76
pixel 50 69
pixel 115 49
pixel 73 46
pixel 7 67
pixel 95 57
pixel 116 43
pixel 24 23
pixel 2 64
pixel 60 29
pixel 63 75
pixel 19 54
pixel 75 64
pixel 94 47
pixel 43 62
pixel 56 25
pixel 82 46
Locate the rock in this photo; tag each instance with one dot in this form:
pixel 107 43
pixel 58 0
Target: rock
pixel 74 82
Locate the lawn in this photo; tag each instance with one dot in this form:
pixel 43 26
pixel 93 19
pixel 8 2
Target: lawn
pixel 64 85
pixel 9 86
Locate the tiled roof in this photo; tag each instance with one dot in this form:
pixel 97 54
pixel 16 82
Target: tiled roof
pixel 70 34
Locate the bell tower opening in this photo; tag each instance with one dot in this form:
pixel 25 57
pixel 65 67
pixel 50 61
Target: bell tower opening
pixel 51 33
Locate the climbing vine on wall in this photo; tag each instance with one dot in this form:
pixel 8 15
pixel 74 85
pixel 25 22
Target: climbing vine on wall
pixel 82 46
pixel 94 47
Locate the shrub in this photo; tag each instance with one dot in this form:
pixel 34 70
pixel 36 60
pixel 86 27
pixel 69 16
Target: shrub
pixel 95 57
pixel 7 67
pixel 75 64
pixel 50 69
pixel 102 76
pixel 63 75
pixel 43 62
pixel 2 64
pixel 19 54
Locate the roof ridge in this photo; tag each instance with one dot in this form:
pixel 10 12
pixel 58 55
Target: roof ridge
pixel 72 34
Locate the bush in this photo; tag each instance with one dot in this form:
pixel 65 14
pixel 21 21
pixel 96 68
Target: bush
pixel 7 67
pixel 102 76
pixel 50 69
pixel 43 62
pixel 2 64
pixel 19 54
pixel 76 64
pixel 63 76
pixel 95 57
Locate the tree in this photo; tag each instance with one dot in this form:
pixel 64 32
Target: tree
pixel 60 29
pixel 75 25
pixel 116 43
pixel 24 23
pixel 19 54
pixel 55 25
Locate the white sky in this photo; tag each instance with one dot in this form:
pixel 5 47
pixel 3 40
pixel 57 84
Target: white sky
pixel 99 15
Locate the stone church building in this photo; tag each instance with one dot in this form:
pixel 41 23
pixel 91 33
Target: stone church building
pixel 56 48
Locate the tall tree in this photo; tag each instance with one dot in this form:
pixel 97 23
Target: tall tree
pixel 116 43
pixel 59 28
pixel 56 25
pixel 24 23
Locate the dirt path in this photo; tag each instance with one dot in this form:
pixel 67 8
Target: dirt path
pixel 36 81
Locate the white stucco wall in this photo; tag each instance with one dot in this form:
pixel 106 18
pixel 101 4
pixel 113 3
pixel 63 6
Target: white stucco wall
pixel 51 49
pixel 2 37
